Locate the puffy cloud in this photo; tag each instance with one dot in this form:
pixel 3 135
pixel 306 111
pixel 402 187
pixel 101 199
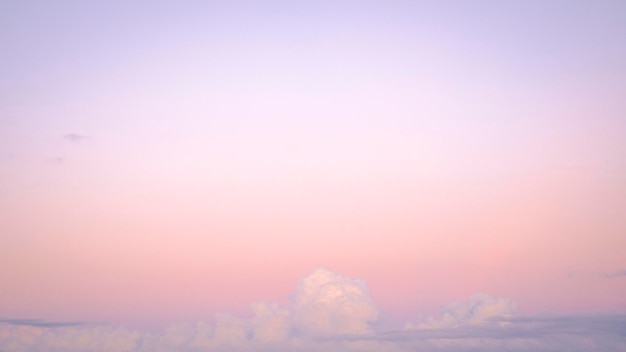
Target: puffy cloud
pixel 329 303
pixel 229 330
pixel 271 323
pixel 331 313
pixel 201 341
pixel 176 335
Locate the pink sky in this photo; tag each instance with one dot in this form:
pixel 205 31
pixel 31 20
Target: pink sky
pixel 221 153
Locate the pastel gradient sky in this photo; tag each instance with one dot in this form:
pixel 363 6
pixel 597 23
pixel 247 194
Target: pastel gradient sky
pixel 166 161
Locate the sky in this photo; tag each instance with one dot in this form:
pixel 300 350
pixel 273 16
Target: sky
pixel 323 175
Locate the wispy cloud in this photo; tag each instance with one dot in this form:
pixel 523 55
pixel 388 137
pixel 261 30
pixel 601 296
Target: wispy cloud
pixel 40 323
pixel 74 137
pixel 56 160
pixel 615 274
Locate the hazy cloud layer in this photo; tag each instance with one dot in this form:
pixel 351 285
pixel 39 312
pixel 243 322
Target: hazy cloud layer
pixel 330 312
pixel 39 323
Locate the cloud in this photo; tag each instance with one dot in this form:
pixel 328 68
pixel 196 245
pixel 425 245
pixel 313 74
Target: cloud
pixel 68 338
pixel 479 309
pixel 271 323
pixel 530 333
pixel 329 303
pixel 39 323
pixel 74 137
pixel 616 274
pixel 59 160
pixel 330 312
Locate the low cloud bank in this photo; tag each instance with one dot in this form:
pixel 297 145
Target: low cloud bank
pixel 330 312
pixel 479 309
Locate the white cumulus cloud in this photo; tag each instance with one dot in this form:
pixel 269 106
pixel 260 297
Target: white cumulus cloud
pixel 329 303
